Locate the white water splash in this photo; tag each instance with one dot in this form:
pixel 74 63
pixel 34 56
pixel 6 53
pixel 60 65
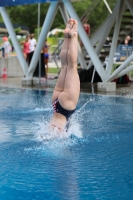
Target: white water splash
pixel 44 132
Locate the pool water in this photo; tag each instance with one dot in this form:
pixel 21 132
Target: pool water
pixel 94 162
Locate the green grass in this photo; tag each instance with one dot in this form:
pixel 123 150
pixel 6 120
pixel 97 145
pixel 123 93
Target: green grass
pixel 53 70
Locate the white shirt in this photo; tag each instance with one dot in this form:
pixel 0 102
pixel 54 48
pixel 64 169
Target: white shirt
pixel 7 46
pixel 32 44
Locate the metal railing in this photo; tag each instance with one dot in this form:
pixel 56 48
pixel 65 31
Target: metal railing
pixel 123 52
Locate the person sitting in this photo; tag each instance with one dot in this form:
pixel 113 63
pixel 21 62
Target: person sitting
pixel 128 40
pixel 32 47
pixel 66 93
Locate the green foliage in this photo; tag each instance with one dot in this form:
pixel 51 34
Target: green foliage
pixel 37 31
pixel 28 14
pixel 53 42
pixel 60 35
pixel 17 30
pixel 1 19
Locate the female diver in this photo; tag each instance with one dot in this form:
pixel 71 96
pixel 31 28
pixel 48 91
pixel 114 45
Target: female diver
pixel 66 93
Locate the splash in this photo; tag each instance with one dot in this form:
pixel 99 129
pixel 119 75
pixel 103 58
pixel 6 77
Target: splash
pixel 44 132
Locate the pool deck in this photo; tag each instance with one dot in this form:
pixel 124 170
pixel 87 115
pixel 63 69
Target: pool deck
pixel 123 89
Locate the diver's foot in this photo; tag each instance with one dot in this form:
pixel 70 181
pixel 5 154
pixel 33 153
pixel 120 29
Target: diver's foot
pixel 68 28
pixel 74 30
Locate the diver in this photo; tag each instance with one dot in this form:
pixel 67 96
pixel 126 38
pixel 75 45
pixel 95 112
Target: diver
pixel 67 89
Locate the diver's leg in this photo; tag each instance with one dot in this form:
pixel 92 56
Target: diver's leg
pixel 63 56
pixel 69 97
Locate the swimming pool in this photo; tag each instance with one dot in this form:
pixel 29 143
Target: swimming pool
pixel 94 163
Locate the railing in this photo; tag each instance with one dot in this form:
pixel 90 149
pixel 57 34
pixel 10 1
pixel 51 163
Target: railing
pixel 123 52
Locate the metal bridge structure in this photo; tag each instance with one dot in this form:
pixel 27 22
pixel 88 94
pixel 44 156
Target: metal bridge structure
pixel 92 45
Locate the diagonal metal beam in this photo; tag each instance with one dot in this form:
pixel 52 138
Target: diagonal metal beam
pixel 66 17
pixel 97 35
pixel 115 36
pixel 118 70
pixel 12 34
pixel 130 5
pixel 106 26
pixel 125 71
pixel 45 29
pixel 86 40
pixel 104 31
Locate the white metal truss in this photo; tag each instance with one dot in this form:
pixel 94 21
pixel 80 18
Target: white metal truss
pixel 12 34
pixel 67 10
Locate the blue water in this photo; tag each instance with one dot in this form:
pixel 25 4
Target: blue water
pixel 95 162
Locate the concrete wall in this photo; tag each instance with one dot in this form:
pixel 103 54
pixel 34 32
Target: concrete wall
pixel 12 66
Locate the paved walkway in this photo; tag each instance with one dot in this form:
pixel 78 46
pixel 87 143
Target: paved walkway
pixel 50 83
pixel 124 89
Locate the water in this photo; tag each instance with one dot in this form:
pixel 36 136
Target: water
pixel 94 161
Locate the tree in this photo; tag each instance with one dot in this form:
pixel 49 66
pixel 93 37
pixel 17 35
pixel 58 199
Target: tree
pixel 28 14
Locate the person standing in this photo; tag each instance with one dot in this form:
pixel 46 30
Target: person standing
pixel 7 47
pixel 2 49
pixel 32 47
pixel 46 56
pixel 26 47
pixel 86 27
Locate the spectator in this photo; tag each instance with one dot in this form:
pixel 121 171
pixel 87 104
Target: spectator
pixel 46 56
pixel 26 47
pixel 2 49
pixel 86 28
pixel 32 47
pixel 86 25
pixel 128 40
pixel 7 47
pixel 12 48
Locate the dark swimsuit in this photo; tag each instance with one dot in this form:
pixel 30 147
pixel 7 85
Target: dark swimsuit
pixel 59 109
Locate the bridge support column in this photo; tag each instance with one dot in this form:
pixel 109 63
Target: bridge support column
pixel 46 27
pixel 86 41
pixel 106 87
pixel 66 17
